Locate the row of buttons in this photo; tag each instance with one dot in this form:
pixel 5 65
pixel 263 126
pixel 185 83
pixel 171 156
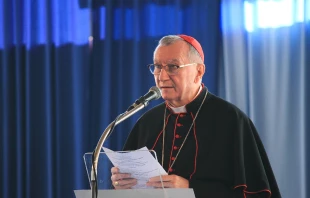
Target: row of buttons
pixel 177 136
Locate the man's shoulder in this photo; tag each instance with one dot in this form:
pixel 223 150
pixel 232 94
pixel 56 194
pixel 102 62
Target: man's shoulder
pixel 224 107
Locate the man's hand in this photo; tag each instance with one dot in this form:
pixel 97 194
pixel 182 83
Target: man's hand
pixel 122 180
pixel 169 181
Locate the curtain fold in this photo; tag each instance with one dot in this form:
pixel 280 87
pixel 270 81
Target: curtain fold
pixel 266 59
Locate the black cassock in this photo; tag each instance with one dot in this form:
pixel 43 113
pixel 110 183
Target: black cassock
pixel 222 156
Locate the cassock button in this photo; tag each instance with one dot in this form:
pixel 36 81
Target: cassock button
pixel 182 115
pixel 178 124
pixel 175 148
pixel 171 170
pixel 177 136
pixel 172 158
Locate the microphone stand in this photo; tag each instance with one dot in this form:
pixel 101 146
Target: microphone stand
pixel 103 138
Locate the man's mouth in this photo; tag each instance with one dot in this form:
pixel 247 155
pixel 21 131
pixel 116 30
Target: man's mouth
pixel 165 87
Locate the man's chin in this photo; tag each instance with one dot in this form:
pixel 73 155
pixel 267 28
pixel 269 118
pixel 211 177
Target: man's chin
pixel 168 94
pixel 167 97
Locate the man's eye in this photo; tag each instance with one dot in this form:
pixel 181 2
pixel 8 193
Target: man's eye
pixel 172 66
pixel 158 66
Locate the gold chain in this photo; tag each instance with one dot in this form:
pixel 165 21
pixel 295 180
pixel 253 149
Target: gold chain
pixel 164 132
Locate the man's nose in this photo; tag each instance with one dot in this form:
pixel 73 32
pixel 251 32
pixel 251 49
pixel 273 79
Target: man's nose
pixel 163 75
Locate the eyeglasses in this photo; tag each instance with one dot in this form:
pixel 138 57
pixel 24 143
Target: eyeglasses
pixel 171 69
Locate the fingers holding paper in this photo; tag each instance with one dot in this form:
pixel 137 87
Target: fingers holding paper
pixel 122 180
pixel 169 181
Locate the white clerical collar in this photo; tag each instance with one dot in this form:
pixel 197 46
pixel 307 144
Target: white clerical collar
pixel 182 109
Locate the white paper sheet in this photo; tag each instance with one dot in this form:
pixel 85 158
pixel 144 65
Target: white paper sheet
pixel 140 164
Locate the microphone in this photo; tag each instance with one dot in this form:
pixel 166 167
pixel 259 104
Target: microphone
pixel 153 94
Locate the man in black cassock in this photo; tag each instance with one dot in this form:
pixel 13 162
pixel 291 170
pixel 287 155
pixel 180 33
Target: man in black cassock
pixel 201 140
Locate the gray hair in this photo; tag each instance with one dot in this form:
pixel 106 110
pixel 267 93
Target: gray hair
pixel 193 54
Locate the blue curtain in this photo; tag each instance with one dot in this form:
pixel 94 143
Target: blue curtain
pixel 68 68
pixel 266 61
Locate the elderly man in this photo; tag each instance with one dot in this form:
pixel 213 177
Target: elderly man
pixel 201 140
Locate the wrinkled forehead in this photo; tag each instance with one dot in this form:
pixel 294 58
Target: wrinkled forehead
pixel 168 61
pixel 174 53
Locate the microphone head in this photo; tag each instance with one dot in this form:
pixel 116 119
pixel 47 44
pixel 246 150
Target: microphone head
pixel 157 92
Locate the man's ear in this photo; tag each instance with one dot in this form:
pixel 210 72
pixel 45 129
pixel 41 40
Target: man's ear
pixel 200 70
